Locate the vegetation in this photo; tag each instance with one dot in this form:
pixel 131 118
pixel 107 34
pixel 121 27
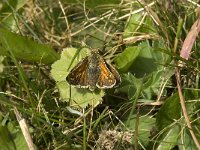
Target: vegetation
pixel 154 46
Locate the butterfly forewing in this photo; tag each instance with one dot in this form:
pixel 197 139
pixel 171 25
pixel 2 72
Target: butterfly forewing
pixel 106 78
pixel 78 75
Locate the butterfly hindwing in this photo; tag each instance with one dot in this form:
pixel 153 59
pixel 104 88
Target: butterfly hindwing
pixel 106 78
pixel 115 73
pixel 78 75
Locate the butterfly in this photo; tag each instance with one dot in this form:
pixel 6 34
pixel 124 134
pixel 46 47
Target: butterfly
pixel 94 72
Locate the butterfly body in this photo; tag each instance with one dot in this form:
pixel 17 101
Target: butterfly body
pixel 94 72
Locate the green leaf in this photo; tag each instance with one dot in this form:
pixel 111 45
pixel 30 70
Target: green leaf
pixel 148 60
pixel 168 112
pixel 151 84
pixel 139 24
pixel 144 127
pixel 132 25
pixel 168 139
pixel 12 138
pixel 134 86
pixel 6 8
pixel 124 60
pixel 78 97
pixel 25 49
pixel 5 141
pixel 145 66
pixel 130 85
pixel 186 142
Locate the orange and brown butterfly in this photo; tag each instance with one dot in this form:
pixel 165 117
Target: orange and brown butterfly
pixel 94 72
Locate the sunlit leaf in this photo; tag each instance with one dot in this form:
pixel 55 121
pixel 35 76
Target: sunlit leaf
pixel 124 60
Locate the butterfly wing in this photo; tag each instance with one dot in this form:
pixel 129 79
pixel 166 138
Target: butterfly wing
pixel 115 73
pixel 78 75
pixel 106 78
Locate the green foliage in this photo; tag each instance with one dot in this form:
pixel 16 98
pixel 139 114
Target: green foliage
pixel 130 54
pixel 8 16
pixel 142 39
pixel 144 62
pixel 137 24
pixel 170 122
pixel 131 85
pixel 143 126
pixel 11 138
pixel 149 60
pixel 168 139
pixel 185 140
pixel 169 112
pixel 25 49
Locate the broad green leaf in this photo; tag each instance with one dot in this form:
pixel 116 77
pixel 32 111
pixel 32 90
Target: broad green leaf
pixel 130 85
pixel 124 60
pixel 185 141
pixel 5 141
pixel 168 139
pixel 148 61
pixel 78 97
pixel 148 26
pixel 11 138
pixel 25 49
pixel 149 66
pixel 151 84
pixel 97 40
pixel 6 6
pixel 170 111
pixel 146 68
pixel 192 103
pixel 144 63
pixel 134 86
pixel 144 127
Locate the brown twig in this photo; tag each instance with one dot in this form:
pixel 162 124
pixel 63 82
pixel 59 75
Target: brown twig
pixel 24 128
pixel 185 53
pixel 185 114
